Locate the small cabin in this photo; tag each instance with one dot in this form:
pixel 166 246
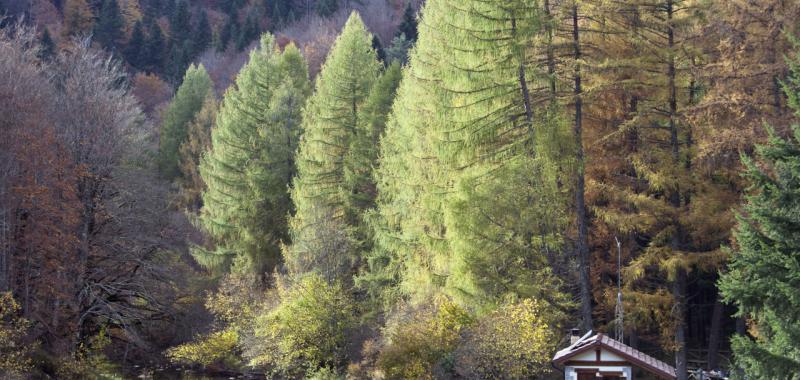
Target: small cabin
pixel 598 357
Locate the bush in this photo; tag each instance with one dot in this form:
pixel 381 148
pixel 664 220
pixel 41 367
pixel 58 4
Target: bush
pixel 306 330
pixel 515 341
pixel 88 361
pixel 422 341
pixel 14 353
pixel 216 348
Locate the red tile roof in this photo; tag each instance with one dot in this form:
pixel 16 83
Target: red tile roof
pixel 635 357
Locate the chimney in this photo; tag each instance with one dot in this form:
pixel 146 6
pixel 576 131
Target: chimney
pixel 575 335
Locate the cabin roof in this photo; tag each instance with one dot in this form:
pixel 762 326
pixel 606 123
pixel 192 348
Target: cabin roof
pixel 602 341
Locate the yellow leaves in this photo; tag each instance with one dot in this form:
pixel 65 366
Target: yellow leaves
pixel 515 341
pixel 131 12
pixel 14 353
pixel 212 348
pixel 419 338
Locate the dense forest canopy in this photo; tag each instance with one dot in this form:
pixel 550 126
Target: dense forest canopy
pixel 397 189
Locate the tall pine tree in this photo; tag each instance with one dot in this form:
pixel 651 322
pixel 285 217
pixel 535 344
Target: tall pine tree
pixel 135 50
pixel 198 142
pixel 251 162
pixel 764 271
pixel 467 202
pixel 185 105
pixel 203 33
pixel 331 123
pixel 108 30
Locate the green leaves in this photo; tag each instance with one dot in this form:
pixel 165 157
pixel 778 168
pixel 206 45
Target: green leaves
pixel 251 161
pixel 764 272
pixel 335 120
pixel 465 204
pixel 187 102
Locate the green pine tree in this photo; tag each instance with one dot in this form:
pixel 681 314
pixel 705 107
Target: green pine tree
pixel 326 8
pixel 378 46
pixel 398 50
pixel 134 52
pixel 185 105
pixel 363 148
pixel 247 33
pixel 468 200
pixel 154 50
pixel 202 34
pixel 331 123
pixel 47 48
pixel 180 24
pixel 408 26
pixel 251 161
pixel 763 274
pixel 108 29
pixel 198 142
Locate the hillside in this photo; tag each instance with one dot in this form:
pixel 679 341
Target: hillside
pixel 392 189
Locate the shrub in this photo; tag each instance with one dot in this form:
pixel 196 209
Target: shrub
pixel 219 347
pixel 422 341
pixel 515 341
pixel 307 329
pixel 14 353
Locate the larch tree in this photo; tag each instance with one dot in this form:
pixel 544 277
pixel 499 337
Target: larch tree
pixel 467 200
pixel 331 123
pixel 187 103
pixel 657 195
pixel 363 148
pixel 251 162
pixel 198 141
pixel 78 18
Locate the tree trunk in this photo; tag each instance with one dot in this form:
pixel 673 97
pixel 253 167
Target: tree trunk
pixel 582 246
pixel 679 294
pixel 523 82
pixel 551 61
pixel 714 335
pixel 679 284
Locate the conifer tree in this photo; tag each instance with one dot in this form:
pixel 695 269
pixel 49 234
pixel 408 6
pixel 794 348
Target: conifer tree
pixel 362 155
pixel 185 105
pixel 198 142
pixel 378 46
pixel 179 59
pixel 47 48
pixel 251 161
pixel 225 35
pixel 108 29
pixel 247 33
pixel 331 122
pixel 763 276
pixel 153 59
pixel 398 50
pixel 761 279
pixel 408 26
pixel 455 142
pixel 660 199
pixel 180 25
pixel 78 18
pixel 202 35
pixel 326 8
pixel 135 50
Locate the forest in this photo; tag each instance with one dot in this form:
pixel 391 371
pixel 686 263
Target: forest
pixel 397 189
